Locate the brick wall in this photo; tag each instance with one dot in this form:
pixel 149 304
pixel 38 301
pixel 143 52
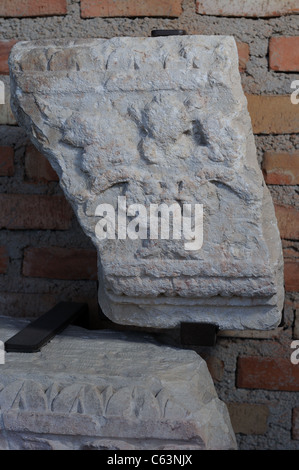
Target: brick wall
pixel 41 241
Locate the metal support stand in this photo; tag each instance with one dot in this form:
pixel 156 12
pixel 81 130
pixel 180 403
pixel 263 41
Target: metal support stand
pixel 199 334
pixel 167 32
pixel 43 329
pixel 40 331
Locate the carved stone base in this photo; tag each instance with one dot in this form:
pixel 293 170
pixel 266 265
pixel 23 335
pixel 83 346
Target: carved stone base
pixel 108 390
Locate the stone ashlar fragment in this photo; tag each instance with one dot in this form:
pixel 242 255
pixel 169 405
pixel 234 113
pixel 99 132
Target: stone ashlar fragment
pixel 158 121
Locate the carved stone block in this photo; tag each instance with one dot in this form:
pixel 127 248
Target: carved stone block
pixel 108 390
pixel 139 122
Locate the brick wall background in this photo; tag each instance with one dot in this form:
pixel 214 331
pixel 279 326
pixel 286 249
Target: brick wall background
pixel 45 257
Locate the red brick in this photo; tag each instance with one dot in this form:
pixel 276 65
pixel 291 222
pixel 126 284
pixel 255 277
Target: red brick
pixel 132 8
pixel 291 275
pixel 295 424
pixel 6 161
pixel 271 114
pixel 281 168
pixel 243 51
pixel 289 251
pixel 296 323
pixel 25 212
pixel 284 54
pixel 4 260
pixel 249 8
pixel 37 167
pixel 267 373
pixel 5 48
pixel 23 8
pixel 288 221
pixel 60 263
pixel 247 418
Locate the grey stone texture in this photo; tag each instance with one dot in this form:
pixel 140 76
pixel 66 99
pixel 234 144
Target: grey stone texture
pixel 159 121
pixel 108 390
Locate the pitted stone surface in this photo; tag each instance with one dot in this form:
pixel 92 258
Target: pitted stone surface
pixel 105 389
pixel 158 120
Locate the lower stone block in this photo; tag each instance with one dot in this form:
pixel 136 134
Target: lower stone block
pixel 108 390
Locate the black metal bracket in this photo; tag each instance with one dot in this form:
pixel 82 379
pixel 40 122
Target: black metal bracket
pixel 167 32
pixel 199 334
pixel 40 331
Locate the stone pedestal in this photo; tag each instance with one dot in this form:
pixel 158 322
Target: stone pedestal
pixel 108 390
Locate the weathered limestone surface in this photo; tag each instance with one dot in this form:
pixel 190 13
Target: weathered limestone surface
pixel 158 120
pixel 108 390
